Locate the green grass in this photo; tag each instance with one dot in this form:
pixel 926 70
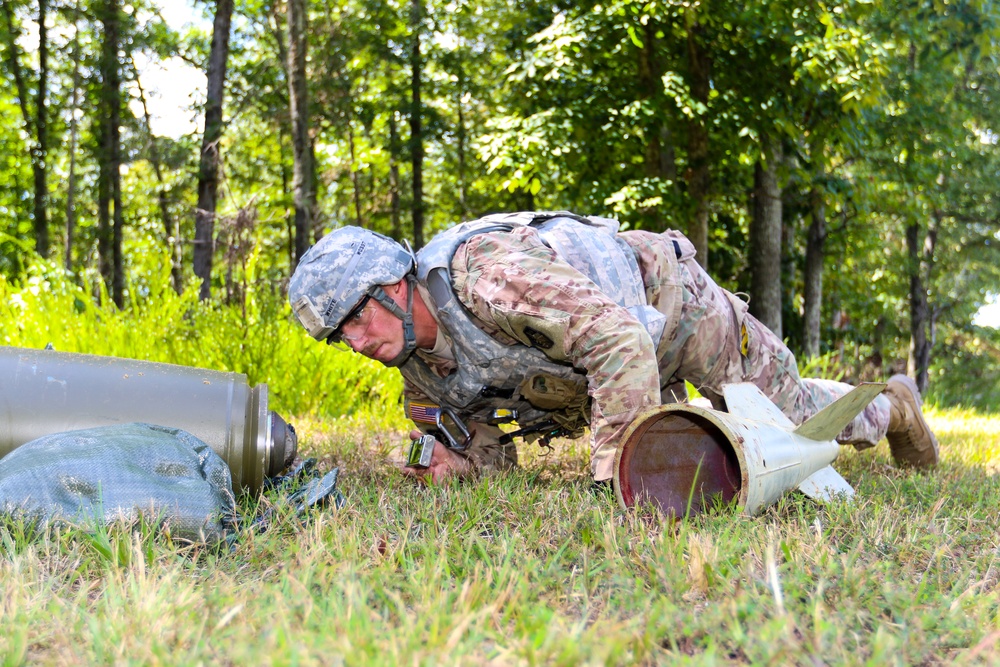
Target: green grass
pixel 530 568
pixel 527 568
pixel 257 337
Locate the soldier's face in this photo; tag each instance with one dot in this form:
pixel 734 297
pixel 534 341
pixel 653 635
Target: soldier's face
pixel 381 337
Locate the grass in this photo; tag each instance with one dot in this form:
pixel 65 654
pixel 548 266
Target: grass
pixel 530 568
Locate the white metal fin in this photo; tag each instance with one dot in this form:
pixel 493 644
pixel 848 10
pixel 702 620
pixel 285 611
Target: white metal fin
pixel 826 424
pixel 747 401
pixel 824 484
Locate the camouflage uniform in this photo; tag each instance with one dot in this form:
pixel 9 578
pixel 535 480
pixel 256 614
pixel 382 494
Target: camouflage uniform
pixel 513 286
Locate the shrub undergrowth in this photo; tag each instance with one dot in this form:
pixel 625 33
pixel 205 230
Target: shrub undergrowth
pixel 257 337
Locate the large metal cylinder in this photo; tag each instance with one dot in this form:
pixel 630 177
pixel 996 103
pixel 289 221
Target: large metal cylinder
pixel 680 458
pixel 43 392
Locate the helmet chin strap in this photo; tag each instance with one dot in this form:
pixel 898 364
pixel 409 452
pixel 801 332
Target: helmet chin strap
pixel 409 336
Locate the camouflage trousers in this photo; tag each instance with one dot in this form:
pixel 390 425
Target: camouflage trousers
pixel 717 342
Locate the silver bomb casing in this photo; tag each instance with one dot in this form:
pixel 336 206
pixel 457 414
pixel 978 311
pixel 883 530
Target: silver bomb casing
pixel 44 392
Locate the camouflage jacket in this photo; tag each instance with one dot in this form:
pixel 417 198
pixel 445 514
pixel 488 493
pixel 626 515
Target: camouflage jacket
pixel 522 294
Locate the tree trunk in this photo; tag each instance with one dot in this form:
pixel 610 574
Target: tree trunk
pixel 416 131
pixel 920 345
pixel 39 164
pixel 355 183
pixel 523 200
pixel 698 177
pixel 316 230
pixel 649 84
pixel 109 177
pixel 208 168
pixel 650 87
pixel 289 215
pixel 298 100
pixel 789 268
pixel 765 240
pixel 35 125
pixel 277 31
pixel 461 139
pixel 395 215
pixel 73 137
pixel 118 231
pixel 813 273
pixel 114 97
pixel 170 233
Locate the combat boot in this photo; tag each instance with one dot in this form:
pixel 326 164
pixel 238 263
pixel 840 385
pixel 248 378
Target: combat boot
pixel 910 439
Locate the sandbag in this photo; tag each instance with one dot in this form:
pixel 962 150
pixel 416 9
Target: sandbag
pixel 120 472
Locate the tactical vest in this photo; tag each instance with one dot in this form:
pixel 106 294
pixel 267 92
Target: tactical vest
pixel 492 375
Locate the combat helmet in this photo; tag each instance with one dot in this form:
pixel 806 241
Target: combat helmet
pixel 338 275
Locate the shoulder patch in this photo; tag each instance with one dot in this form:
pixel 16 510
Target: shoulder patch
pixel 538 339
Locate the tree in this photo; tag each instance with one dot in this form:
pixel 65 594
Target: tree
pixel 395 215
pixel 298 96
pixel 109 156
pixel 73 138
pixel 765 240
pixel 699 75
pixel 35 124
pixel 208 170
pixel 925 146
pixel 416 120
pixel 812 296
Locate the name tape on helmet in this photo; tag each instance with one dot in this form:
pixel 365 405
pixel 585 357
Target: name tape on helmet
pixel 328 311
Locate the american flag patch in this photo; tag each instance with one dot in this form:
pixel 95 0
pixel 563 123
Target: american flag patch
pixel 424 413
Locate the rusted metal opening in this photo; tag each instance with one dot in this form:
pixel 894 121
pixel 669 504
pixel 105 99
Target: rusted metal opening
pixel 679 461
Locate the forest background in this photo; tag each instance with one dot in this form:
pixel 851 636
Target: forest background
pixel 837 161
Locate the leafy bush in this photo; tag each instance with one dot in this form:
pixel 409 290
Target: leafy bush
pixel 967 373
pixel 964 373
pixel 257 337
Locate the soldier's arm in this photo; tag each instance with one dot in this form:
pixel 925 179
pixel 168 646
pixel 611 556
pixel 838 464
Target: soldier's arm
pixel 517 286
pixel 485 452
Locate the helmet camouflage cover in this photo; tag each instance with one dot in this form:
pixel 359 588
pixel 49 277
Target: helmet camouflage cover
pixel 336 274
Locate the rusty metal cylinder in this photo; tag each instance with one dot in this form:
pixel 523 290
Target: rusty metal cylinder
pixel 44 392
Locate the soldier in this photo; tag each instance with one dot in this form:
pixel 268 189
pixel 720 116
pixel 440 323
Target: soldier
pixel 559 322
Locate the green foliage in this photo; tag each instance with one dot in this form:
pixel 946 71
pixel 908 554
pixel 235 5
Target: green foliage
pixel 967 373
pixel 258 337
pixel 826 367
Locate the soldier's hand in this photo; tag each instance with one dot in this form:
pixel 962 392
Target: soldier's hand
pixel 445 464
